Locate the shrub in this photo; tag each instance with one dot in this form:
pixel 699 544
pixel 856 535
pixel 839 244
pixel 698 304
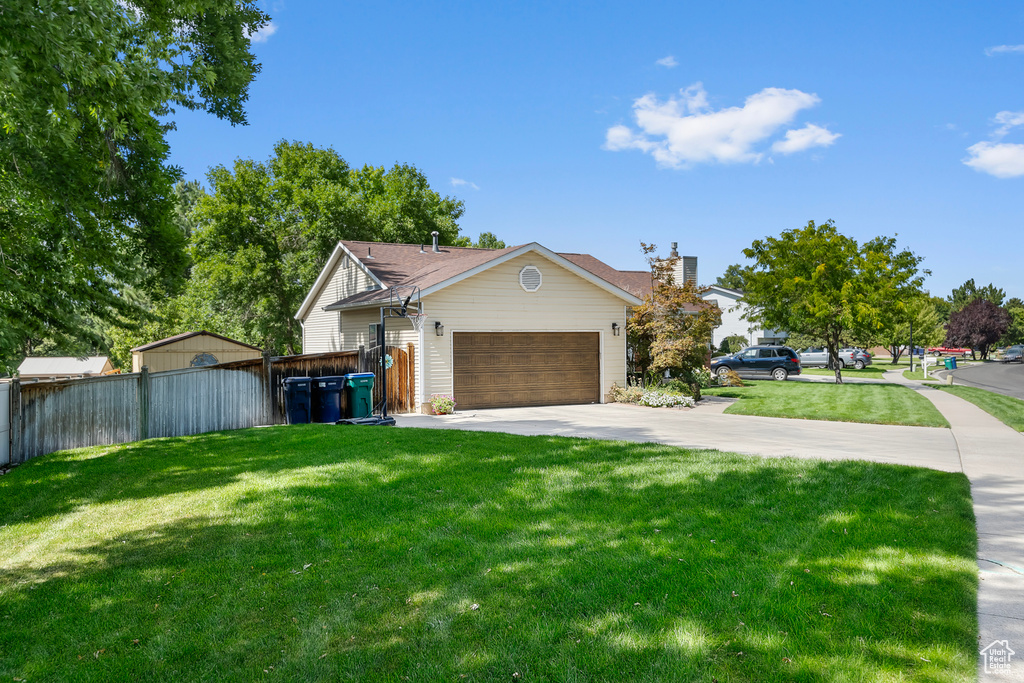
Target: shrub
pixel 654 398
pixel 443 404
pixel 729 378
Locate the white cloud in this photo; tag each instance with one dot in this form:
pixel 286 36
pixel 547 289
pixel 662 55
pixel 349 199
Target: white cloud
pixel 1001 159
pixel 262 35
pixel 685 130
pixel 805 138
pixel 1007 120
pixel 1002 49
pixel 459 182
pixel 669 62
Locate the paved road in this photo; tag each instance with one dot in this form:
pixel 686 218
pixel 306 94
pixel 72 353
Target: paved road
pixel 1003 378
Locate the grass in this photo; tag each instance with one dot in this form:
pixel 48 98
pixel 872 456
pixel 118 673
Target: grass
pixel 1007 409
pixel 322 553
pixel 871 403
pixel 874 371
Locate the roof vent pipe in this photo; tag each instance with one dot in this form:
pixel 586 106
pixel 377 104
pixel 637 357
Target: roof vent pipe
pixel 368 254
pixel 675 250
pixel 434 234
pixel 422 250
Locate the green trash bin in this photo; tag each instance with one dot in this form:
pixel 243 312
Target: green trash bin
pixel 951 363
pixel 359 386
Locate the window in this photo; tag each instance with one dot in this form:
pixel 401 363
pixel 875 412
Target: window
pixel 374 336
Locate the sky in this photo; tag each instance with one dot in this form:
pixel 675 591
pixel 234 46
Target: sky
pixel 590 127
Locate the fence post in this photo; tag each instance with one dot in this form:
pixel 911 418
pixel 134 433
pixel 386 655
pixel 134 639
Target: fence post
pixel 362 358
pixel 144 403
pixel 268 396
pixel 411 350
pixel 16 456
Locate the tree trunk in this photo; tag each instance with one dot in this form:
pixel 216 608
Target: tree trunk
pixel 833 354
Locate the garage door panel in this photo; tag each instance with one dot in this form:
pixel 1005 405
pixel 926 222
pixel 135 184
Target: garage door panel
pixel 495 369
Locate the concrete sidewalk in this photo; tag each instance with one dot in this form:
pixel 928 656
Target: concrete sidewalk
pixel 987 451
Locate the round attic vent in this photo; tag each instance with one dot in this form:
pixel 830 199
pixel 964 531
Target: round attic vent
pixel 530 278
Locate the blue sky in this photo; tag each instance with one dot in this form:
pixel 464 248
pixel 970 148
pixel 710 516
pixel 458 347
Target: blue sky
pixel 588 127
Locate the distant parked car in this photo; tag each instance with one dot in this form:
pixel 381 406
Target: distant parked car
pixel 949 351
pixel 777 362
pixel 818 357
pixel 1014 354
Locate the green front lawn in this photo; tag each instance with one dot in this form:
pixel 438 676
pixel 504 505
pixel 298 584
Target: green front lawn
pixel 1008 409
pixel 872 403
pixel 874 371
pixel 357 553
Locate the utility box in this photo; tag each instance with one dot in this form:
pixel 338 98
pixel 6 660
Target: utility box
pixel 297 399
pixel 327 398
pixel 359 386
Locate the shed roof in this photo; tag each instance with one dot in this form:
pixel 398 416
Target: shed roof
pixel 185 335
pixel 62 365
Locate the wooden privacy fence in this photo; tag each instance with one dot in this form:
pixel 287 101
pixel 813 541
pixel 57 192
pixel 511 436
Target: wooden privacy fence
pixel 43 417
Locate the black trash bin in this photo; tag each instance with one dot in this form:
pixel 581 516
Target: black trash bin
pixel 297 399
pixel 327 398
pixel 359 386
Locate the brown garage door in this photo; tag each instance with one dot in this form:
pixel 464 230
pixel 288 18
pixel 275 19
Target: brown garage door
pixel 503 369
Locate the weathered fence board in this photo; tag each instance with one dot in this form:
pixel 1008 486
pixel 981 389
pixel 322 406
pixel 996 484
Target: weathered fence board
pixel 194 401
pixel 5 423
pixel 95 411
pixel 53 416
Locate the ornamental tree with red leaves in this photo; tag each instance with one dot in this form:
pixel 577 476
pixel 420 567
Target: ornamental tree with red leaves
pixel 977 326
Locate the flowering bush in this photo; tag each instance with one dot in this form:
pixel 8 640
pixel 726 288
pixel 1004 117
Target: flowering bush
pixel 442 404
pixel 729 378
pixel 663 399
pixel 653 398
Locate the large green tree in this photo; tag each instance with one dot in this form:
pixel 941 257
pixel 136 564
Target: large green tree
pixel 734 277
pixel 818 282
pixel 968 292
pixel 87 92
pixel 266 229
pixel 920 316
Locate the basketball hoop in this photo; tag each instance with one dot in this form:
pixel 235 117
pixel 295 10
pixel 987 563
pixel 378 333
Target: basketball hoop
pixel 417 320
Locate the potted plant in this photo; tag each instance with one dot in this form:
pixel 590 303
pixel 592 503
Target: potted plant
pixel 442 404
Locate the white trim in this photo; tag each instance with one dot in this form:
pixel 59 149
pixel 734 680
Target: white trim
pixel 551 256
pixel 326 273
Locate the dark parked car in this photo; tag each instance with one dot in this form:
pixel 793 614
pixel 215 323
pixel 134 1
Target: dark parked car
pixel 777 362
pixel 1014 354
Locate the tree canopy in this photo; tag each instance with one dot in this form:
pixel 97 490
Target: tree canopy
pixel 671 329
pixel 267 228
pixel 734 277
pixel 818 282
pixel 977 326
pixel 86 195
pixel 968 292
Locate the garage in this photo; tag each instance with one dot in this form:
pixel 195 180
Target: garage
pixel 506 369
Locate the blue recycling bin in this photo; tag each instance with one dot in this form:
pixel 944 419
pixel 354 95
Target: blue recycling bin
pixel 359 386
pixel 327 398
pixel 297 399
pixel 951 363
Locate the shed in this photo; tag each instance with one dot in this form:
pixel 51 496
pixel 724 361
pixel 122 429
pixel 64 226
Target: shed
pixel 64 367
pixel 191 350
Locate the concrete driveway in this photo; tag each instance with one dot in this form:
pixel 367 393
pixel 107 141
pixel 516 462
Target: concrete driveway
pixel 707 427
pixel 987 451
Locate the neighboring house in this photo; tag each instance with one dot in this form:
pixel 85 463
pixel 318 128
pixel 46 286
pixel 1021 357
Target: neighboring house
pixel 517 326
pixel 191 350
pixel 733 322
pixel 64 367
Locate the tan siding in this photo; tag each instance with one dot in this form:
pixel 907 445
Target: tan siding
pixel 494 301
pixel 320 332
pixel 178 355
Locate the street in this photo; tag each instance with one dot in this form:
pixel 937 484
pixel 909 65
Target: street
pixel 1002 378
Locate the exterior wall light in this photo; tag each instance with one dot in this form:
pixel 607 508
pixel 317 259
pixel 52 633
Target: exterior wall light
pixel 438 328
pixel 615 329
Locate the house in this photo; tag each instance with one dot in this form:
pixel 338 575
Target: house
pixel 518 326
pixel 191 350
pixel 64 367
pixel 733 322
